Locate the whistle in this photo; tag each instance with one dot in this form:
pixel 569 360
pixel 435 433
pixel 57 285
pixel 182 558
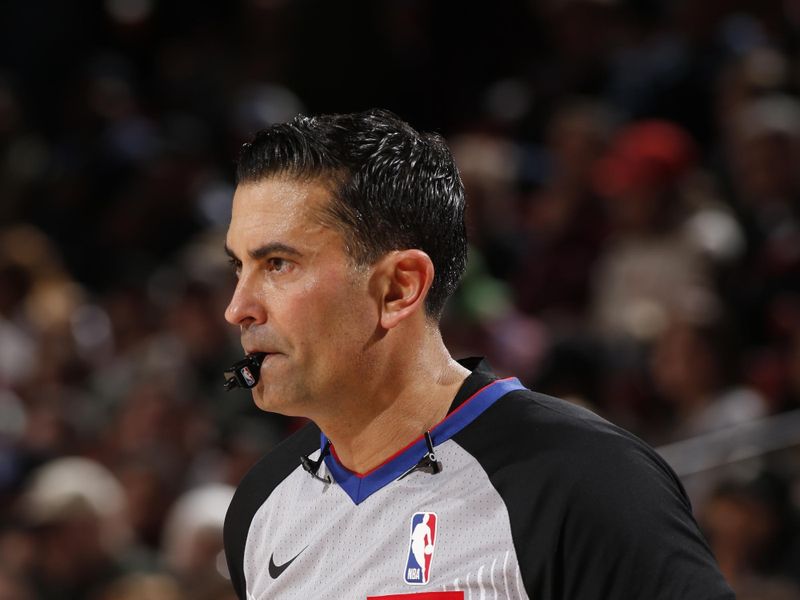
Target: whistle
pixel 244 373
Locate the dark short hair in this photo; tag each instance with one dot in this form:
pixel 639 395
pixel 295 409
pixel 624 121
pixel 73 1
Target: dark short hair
pixel 392 188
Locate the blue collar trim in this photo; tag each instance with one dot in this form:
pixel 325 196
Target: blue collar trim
pixel 361 487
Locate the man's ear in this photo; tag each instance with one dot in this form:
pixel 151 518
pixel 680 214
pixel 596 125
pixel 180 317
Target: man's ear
pixel 402 279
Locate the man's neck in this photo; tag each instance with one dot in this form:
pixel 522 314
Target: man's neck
pixel 403 401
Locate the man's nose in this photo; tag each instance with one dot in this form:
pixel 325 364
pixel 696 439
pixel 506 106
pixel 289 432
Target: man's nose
pixel 245 308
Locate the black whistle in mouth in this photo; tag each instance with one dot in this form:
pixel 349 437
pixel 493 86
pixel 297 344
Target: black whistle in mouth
pixel 244 373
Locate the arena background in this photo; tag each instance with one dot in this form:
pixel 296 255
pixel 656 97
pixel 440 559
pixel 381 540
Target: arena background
pixel 633 174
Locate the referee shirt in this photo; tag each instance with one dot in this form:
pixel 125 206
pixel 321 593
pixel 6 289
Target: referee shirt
pixel 537 498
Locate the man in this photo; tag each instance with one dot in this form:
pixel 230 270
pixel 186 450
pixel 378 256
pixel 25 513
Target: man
pixel 347 236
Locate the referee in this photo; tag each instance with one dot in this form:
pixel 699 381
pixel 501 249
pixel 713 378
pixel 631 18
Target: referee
pixel 419 476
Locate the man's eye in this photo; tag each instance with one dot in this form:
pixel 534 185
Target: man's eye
pixel 278 264
pixel 236 266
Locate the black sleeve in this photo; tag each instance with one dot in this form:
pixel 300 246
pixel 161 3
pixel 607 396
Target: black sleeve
pixel 254 489
pixel 595 513
pixel 630 532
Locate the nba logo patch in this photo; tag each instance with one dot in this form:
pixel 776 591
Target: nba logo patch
pixel 420 551
pixel 248 377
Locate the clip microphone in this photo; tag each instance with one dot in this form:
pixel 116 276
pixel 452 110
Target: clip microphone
pixel 312 466
pixel 428 462
pixel 245 373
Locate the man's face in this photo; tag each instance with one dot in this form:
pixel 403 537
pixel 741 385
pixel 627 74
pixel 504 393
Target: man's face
pixel 298 297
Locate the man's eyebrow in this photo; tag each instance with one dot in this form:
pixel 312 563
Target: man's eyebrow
pixel 266 250
pixel 273 248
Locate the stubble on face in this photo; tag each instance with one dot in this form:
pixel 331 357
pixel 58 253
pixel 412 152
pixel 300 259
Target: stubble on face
pixel 317 315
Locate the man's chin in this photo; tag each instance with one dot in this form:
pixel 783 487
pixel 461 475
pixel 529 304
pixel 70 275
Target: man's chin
pixel 265 402
pixel 275 403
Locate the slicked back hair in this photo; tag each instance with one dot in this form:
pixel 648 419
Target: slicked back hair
pixel 392 188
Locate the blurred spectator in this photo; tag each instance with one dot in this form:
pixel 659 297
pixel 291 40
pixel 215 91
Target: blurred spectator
pixel 149 486
pixel 13 588
pixel 573 369
pixel 763 152
pixel 193 538
pixel 481 319
pixel 563 224
pixel 652 270
pixel 489 166
pixel 695 370
pixel 37 300
pixel 74 508
pixel 753 530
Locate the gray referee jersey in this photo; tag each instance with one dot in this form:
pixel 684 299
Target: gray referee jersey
pixel 536 499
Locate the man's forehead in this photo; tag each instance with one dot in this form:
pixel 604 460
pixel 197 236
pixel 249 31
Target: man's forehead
pixel 280 206
pixel 279 201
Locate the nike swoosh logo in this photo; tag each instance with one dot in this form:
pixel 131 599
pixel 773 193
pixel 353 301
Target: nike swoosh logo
pixel 276 570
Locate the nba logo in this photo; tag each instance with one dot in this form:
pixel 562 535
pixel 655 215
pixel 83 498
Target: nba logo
pixel 248 377
pixel 420 551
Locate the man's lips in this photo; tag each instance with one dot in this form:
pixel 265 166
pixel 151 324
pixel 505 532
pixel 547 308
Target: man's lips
pixel 248 349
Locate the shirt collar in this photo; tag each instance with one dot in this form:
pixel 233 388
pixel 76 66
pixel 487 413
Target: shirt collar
pixel 479 391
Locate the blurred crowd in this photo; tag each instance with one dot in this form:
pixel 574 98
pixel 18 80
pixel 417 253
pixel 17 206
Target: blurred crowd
pixel 633 178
